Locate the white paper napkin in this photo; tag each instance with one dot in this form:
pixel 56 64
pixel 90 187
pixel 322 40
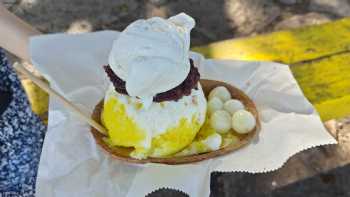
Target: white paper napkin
pixel 72 164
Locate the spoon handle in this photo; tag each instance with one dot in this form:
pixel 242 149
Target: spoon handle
pixel 66 102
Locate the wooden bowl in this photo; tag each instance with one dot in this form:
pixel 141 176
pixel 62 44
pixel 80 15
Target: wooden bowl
pixel 122 153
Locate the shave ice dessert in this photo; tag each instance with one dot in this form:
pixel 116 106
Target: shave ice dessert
pixel 155 103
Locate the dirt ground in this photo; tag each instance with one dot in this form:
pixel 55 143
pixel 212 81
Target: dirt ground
pixel 216 19
pixel 317 172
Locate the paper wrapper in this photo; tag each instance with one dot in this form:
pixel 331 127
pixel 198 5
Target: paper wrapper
pixel 73 165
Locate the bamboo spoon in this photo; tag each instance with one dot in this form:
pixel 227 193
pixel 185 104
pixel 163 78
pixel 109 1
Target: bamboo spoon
pixel 66 102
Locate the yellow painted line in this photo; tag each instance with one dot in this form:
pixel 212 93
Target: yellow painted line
pixel 324 79
pixel 285 46
pixel 326 83
pixel 38 98
pixel 335 108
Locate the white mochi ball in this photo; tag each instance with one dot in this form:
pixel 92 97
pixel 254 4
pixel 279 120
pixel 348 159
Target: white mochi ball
pixel 220 92
pixel 233 105
pixel 214 104
pixel 243 121
pixel 213 141
pixel 221 121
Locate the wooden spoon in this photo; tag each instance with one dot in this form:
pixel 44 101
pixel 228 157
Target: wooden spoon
pixel 65 101
pixel 122 153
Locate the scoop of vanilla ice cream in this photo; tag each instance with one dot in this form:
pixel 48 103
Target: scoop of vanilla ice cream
pixel 152 55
